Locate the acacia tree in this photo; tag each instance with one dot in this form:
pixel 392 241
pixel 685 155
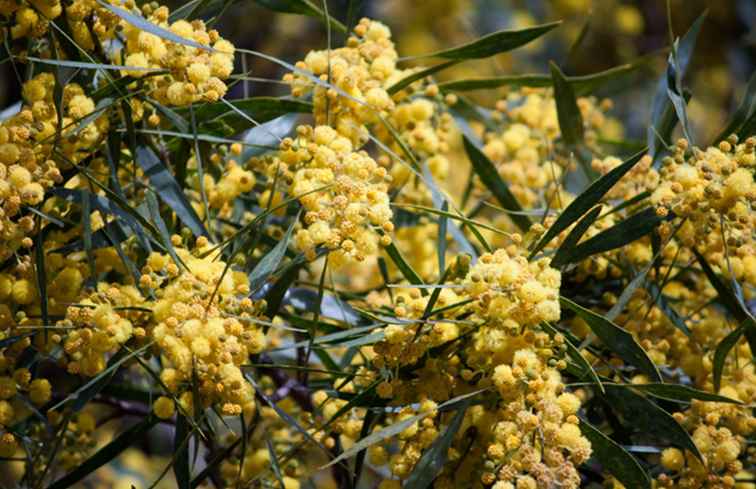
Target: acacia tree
pixel 371 281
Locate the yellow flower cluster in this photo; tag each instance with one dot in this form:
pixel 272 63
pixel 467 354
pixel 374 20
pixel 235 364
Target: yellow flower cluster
pixel 206 328
pixel 512 293
pixel 714 192
pixel 359 73
pixel 195 74
pixel 98 326
pixel 342 191
pixel 31 18
pixel 26 143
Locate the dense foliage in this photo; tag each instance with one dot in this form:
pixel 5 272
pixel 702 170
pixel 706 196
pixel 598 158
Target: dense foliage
pixel 375 280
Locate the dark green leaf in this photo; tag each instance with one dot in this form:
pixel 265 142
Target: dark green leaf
pixel 394 429
pixel 405 268
pixel 85 393
pixel 681 393
pixel 107 453
pixel 617 339
pixel 261 109
pixel 302 7
pixel 181 468
pixel 641 413
pixel 577 357
pixel 586 200
pixel 433 459
pixel 494 43
pixel 168 189
pixel 419 75
pixel 617 236
pixel 486 170
pixel 726 296
pixel 574 236
pixel 662 108
pixel 720 354
pixel 665 307
pixel 568 112
pixel 268 264
pixel 615 459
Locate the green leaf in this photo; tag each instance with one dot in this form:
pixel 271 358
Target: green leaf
pixel 261 109
pixel 302 7
pixel 419 75
pixel 662 108
pixel 486 170
pixel 745 111
pixel 617 236
pixel 665 307
pixel 720 354
pixel 617 339
pixel 86 393
pixel 106 453
pixel 394 429
pixel 681 393
pixel 641 413
pixel 88 66
pixel 154 209
pixel 574 236
pixel 165 185
pixel 434 458
pixel 676 94
pixel 268 264
pixel 145 25
pixel 577 357
pixel 568 112
pixel 181 468
pixel 586 200
pixel 514 81
pixel 494 43
pixel 726 296
pixel 615 459
pixel 405 268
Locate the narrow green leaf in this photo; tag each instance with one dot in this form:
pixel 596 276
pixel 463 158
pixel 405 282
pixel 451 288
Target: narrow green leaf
pixel 405 268
pixel 154 209
pixel 681 393
pixel 433 459
pixel 586 200
pixel 85 393
pixel 568 113
pixel 268 264
pixel 661 107
pixel 419 75
pixel 574 236
pixel 261 109
pixel 615 459
pixel 494 43
pixel 394 429
pixel 88 66
pixel 643 414
pixel 181 468
pixel 302 7
pixel 577 357
pixel 145 25
pixel 617 339
pixel 486 170
pixel 745 111
pixel 166 187
pixel 720 354
pixel 617 236
pixel 106 453
pixel 725 293
pixel 665 307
